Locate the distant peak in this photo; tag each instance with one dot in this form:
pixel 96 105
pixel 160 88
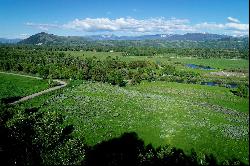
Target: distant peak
pixel 42 33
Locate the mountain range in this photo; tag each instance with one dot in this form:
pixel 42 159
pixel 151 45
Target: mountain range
pixel 167 37
pixel 51 39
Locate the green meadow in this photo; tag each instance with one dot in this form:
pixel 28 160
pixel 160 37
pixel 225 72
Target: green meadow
pixel 208 119
pixel 218 63
pixel 17 86
pixel 211 120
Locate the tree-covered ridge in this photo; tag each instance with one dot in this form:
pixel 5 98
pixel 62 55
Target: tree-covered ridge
pixel 50 39
pixel 174 41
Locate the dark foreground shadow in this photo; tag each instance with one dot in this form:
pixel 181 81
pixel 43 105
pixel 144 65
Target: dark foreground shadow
pixel 118 151
pixel 8 100
pixel 129 150
pixel 21 144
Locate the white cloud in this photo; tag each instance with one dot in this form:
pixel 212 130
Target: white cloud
pixel 211 26
pixel 236 26
pixel 234 20
pixel 133 26
pixel 229 27
pixel 129 25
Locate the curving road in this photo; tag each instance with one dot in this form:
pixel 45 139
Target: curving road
pixel 62 84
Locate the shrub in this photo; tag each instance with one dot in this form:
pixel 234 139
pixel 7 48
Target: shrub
pixel 242 91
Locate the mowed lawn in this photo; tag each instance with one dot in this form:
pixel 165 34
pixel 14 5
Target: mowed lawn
pixel 207 119
pixel 17 86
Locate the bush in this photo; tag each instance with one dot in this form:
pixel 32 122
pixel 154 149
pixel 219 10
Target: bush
pixel 242 91
pixel 168 70
pixel 115 78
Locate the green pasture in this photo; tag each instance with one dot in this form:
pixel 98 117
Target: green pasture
pixel 208 119
pixel 218 63
pixel 17 86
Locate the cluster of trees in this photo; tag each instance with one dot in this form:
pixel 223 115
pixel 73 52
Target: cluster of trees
pixel 186 52
pixel 242 90
pixel 53 64
pixel 171 74
pixel 37 138
pixel 151 48
pixel 41 138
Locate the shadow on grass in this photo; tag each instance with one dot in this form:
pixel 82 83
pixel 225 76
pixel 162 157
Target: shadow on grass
pixel 8 100
pixel 21 144
pixel 130 150
pixel 118 151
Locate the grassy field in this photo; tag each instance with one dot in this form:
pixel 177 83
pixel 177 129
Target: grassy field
pixel 17 86
pixel 208 119
pixel 169 58
pixel 216 63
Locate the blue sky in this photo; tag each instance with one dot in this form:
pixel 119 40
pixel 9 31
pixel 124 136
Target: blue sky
pixel 21 18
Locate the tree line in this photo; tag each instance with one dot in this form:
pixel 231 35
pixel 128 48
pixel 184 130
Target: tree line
pixel 134 48
pixel 54 64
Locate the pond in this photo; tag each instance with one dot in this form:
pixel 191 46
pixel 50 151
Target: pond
pixel 210 83
pixel 194 66
pixel 230 85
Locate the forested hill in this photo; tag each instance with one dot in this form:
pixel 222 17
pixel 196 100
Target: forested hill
pixel 189 40
pixel 50 39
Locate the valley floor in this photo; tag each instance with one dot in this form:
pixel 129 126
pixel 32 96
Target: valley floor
pixel 208 119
